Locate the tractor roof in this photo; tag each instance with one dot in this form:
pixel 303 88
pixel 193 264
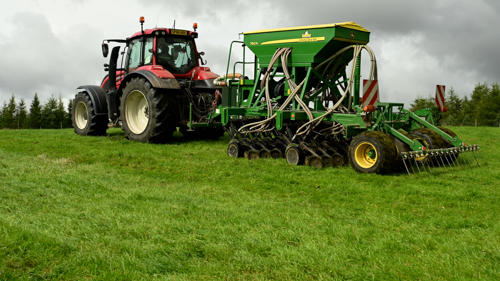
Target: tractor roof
pixel 168 31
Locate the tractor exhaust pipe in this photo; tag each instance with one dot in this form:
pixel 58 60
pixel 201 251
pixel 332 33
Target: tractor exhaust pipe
pixel 112 83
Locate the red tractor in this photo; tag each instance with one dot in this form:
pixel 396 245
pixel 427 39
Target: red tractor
pixel 161 85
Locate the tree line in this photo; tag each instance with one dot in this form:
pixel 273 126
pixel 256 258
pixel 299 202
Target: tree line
pixel 51 115
pixel 482 108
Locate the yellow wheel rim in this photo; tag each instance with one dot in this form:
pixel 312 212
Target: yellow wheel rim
pixel 365 155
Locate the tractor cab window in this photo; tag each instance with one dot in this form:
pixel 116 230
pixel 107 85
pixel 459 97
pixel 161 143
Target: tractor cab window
pixel 176 54
pixel 134 54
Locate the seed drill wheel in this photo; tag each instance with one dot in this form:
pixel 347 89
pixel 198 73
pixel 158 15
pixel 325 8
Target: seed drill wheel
pixel 372 152
pixel 263 153
pixel 338 160
pixel 431 139
pixel 252 154
pixel 314 161
pixel 85 121
pixel 234 149
pixel 276 153
pixel 147 114
pixel 294 155
pixel 327 161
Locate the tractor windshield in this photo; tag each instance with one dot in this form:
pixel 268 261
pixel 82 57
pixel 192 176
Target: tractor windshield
pixel 176 54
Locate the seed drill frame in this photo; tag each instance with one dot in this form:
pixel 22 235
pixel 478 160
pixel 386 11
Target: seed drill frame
pixel 303 105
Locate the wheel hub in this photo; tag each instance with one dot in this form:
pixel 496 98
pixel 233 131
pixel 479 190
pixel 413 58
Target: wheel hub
pixel 137 112
pixel 81 115
pixel 365 155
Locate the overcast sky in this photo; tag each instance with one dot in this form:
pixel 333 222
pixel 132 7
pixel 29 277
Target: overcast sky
pixel 53 46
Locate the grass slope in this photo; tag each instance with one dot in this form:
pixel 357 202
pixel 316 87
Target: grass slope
pixel 105 208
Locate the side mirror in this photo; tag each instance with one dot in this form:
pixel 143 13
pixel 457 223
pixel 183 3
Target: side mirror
pixel 201 59
pixel 105 50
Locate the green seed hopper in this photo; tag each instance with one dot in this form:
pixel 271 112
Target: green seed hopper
pixel 303 103
pixel 311 44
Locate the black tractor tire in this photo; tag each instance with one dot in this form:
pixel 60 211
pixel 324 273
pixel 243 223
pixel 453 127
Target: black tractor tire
pixel 84 119
pixel 147 114
pixel 372 152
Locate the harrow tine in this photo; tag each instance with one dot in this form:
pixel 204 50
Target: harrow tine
pixel 477 152
pixel 466 157
pixel 411 164
pixel 440 153
pixel 460 157
pixel 425 165
pixel 404 162
pixel 453 157
pixel 416 164
pixel 445 153
pixel 434 156
pixel 473 154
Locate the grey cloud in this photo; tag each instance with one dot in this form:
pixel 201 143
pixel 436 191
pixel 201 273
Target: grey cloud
pixel 36 60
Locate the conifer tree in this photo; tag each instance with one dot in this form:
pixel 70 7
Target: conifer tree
pixel 35 114
pixel 21 115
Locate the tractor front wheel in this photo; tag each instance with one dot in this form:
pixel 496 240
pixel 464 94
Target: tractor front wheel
pixel 147 114
pixel 85 121
pixel 372 152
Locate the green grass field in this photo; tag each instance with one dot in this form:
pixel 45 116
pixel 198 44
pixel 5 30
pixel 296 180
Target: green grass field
pixel 104 208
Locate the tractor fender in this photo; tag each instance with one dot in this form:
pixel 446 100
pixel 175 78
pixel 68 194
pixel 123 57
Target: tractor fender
pixel 154 80
pixel 97 96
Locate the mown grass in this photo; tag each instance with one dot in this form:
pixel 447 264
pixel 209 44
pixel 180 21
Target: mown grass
pixel 105 208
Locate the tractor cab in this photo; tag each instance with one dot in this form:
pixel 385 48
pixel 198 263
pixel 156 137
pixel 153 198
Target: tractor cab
pixel 173 50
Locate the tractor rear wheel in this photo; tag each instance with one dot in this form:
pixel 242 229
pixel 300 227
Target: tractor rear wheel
pixel 372 152
pixel 147 114
pixel 85 121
